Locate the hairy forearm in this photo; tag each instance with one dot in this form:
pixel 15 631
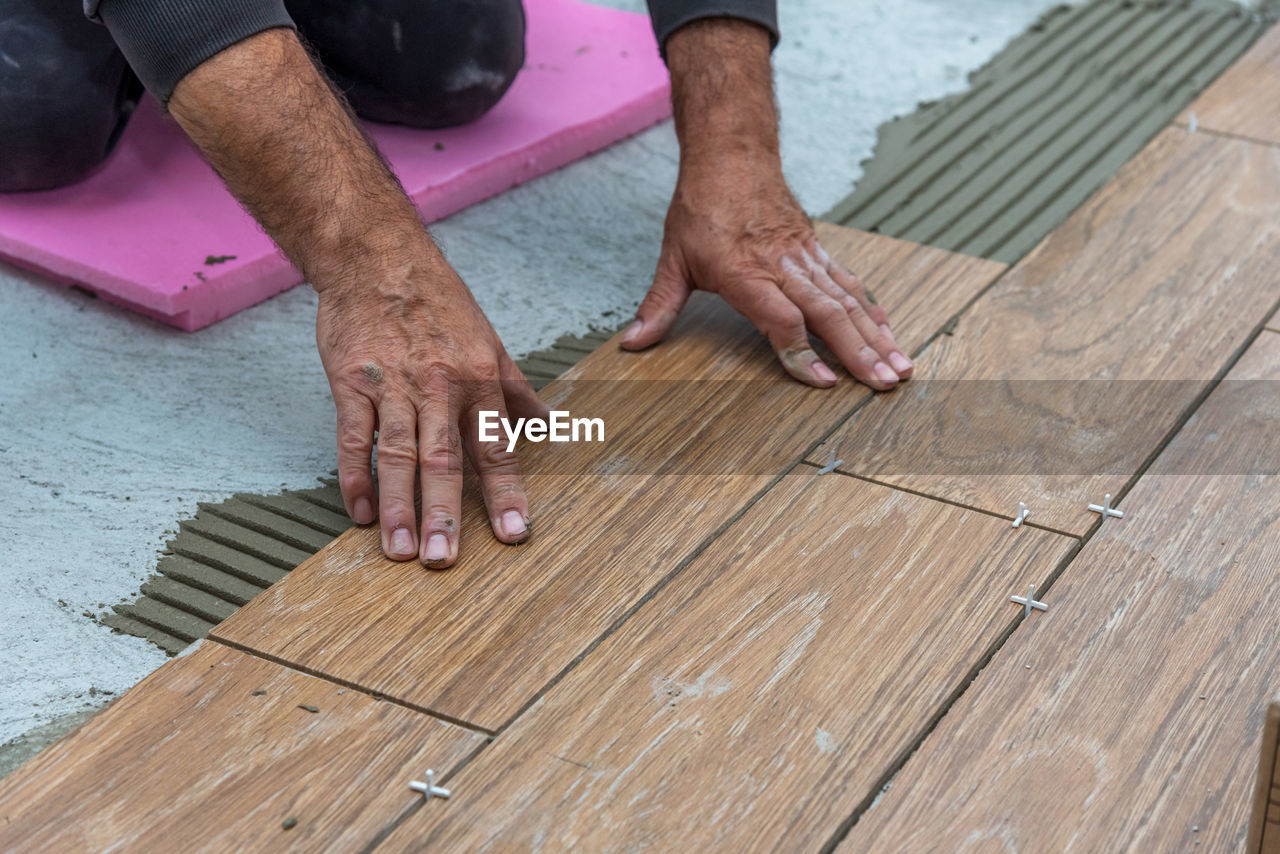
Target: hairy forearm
pixel 722 92
pixel 288 148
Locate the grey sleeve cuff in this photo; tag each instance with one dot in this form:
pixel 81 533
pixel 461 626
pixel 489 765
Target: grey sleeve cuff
pixel 165 39
pixel 670 15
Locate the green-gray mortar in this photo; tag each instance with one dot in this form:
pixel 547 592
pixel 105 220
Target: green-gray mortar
pixel 992 171
pixel 230 552
pixel 545 365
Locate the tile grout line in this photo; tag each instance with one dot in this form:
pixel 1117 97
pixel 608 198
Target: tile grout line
pixel 1027 523
pixel 904 756
pixel 1222 134
pixel 895 767
pixel 344 683
pixel 410 811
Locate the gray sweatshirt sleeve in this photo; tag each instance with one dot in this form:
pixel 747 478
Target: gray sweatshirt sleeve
pixel 670 15
pixel 165 39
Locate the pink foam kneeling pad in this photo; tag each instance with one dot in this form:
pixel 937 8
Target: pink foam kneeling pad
pixel 155 229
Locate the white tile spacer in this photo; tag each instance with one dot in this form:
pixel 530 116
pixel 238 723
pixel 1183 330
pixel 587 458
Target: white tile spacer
pixel 429 788
pixel 1105 508
pixel 1023 513
pixel 1029 601
pixel 832 462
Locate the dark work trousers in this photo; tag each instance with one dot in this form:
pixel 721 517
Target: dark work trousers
pixel 66 92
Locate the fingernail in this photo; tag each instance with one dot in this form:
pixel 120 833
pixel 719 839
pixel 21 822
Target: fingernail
pixel 401 541
pixel 822 373
pixel 437 547
pixel 512 523
pixel 363 512
pixel 888 333
pixel 885 374
pixel 900 363
pixel 632 331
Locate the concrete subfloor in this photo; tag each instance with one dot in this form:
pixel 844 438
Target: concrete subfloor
pixel 112 427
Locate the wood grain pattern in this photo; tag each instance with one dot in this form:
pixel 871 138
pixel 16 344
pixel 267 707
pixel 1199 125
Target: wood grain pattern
pixel 1243 100
pixel 1065 377
pixel 192 759
pixel 1138 726
pixel 1264 835
pixel 757 698
pixel 695 430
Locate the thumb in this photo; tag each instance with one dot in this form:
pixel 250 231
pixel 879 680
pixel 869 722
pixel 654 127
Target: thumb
pixel 657 314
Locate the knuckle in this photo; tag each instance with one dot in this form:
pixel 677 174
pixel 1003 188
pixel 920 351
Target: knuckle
pixel 352 481
pixel 850 282
pixel 793 288
pixel 851 306
pixel 435 377
pixel 503 488
pixel 396 452
pixel 786 317
pixel 439 517
pixel 493 457
pixel 485 369
pixel 354 443
pixel 437 457
pixel 854 306
pixel 396 513
pixel 830 313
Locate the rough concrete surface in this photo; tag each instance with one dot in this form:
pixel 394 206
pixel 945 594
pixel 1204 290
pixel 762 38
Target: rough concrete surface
pixel 112 427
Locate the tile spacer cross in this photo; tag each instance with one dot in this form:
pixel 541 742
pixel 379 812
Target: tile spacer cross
pixel 429 788
pixel 1105 508
pixel 1023 513
pixel 832 462
pixel 1029 601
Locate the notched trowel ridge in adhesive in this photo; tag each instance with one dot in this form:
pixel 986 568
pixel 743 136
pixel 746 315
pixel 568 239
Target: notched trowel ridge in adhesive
pixel 223 557
pixel 991 171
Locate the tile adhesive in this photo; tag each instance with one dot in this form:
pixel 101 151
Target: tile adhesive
pixel 1047 121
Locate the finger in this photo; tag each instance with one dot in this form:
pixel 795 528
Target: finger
pixel 876 335
pixel 761 302
pixel 657 314
pixel 901 363
pixel 355 451
pixel 397 471
pixel 830 321
pixel 497 468
pixel 849 283
pixel 440 462
pixel 521 400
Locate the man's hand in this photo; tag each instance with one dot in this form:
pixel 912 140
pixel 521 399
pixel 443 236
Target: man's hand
pixel 410 354
pixel 407 350
pixel 735 229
